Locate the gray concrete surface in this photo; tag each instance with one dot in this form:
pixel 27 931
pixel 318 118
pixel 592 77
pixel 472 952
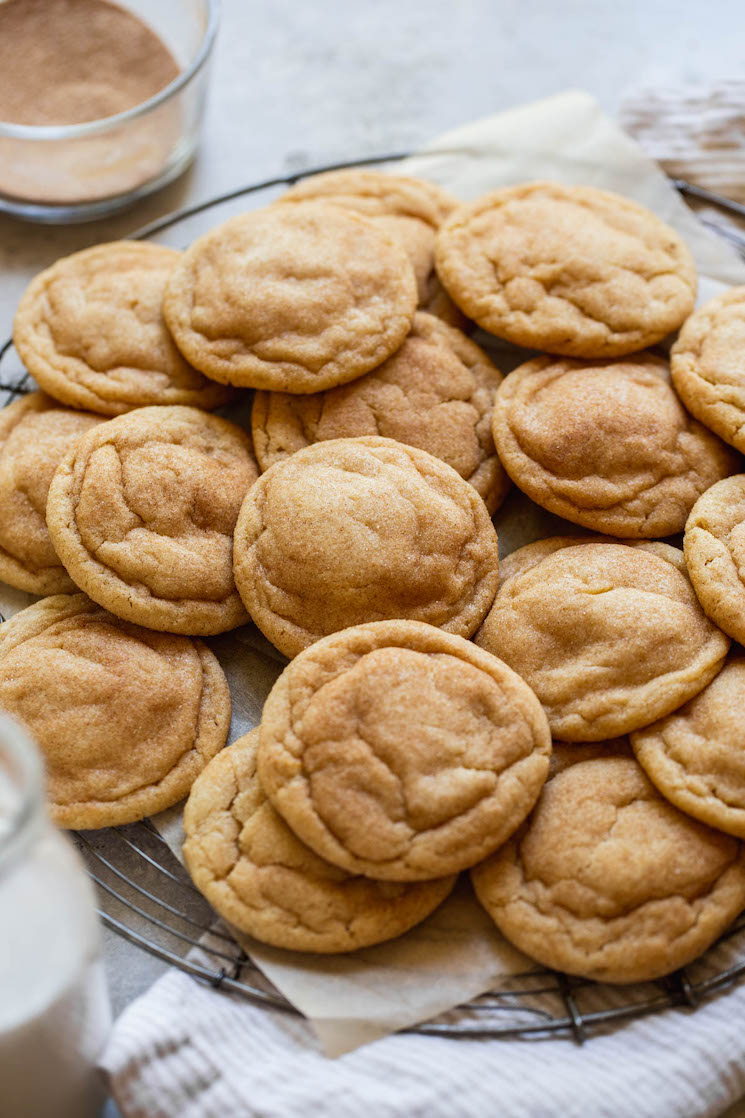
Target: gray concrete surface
pixel 295 85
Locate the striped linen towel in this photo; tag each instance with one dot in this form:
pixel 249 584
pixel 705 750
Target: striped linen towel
pixel 694 134
pixel 186 1051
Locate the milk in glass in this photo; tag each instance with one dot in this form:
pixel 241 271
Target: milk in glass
pixel 54 1009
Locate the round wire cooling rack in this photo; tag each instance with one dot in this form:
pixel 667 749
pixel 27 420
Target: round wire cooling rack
pixel 146 896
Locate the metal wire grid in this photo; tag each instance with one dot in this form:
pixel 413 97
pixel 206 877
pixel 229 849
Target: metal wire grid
pixel 131 881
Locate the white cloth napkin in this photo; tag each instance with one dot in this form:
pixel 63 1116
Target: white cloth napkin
pixel 184 1050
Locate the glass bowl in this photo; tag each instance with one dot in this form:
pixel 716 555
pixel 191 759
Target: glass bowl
pixel 79 172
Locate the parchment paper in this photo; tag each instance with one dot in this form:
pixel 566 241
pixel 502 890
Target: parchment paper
pixel 457 953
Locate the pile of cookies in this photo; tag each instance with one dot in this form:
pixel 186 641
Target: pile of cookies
pixel 409 738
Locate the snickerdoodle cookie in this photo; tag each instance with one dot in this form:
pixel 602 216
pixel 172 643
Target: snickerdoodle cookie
pixel 35 434
pixel 696 756
pixel 141 512
pixel 402 752
pixel 606 445
pixel 411 210
pixel 126 718
pixel 532 553
pixel 366 529
pixel 609 637
pixel 90 330
pixel 707 364
pixel 714 545
pixel 568 269
pixel 436 392
pixel 262 879
pixel 609 881
pixel 293 298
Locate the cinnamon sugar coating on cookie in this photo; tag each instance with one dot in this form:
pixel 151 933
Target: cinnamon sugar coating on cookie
pixel 261 878
pixel 610 638
pixel 707 364
pixel 696 756
pixel 142 510
pixel 35 434
pixel 714 545
pixel 291 298
pixel 402 752
pixel 567 269
pixel 523 558
pixel 609 881
pixel 90 330
pixel 126 718
pixel 436 392
pixel 410 210
pixel 606 445
pixel 366 529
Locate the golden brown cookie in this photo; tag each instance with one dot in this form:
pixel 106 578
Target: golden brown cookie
pixel 609 881
pixel 411 210
pixel 35 434
pixel 291 298
pixel 707 364
pixel 436 392
pixel 567 269
pixel 264 881
pixel 401 752
pixel 714 545
pixel 609 637
pixel 696 756
pixel 356 530
pixel 141 512
pixel 90 330
pixel 377 194
pixel 606 445
pixel 126 718
pixel 532 553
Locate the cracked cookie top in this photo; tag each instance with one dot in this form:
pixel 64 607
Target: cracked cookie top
pixel 609 881
pixel 90 330
pixel 610 637
pixel 567 269
pixel 714 545
pixel 402 752
pixel 365 529
pixel 436 392
pixel 696 756
pixel 125 717
pixel 707 364
pixel 141 512
pixel 262 879
pixel 607 445
pixel 410 209
pixel 532 553
pixel 292 298
pixel 35 434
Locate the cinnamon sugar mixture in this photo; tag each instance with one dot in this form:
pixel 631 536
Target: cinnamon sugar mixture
pixel 68 61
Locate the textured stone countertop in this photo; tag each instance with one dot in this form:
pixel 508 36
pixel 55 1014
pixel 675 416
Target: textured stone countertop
pixel 296 85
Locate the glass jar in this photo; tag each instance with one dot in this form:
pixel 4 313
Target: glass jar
pixel 54 1007
pixel 78 172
